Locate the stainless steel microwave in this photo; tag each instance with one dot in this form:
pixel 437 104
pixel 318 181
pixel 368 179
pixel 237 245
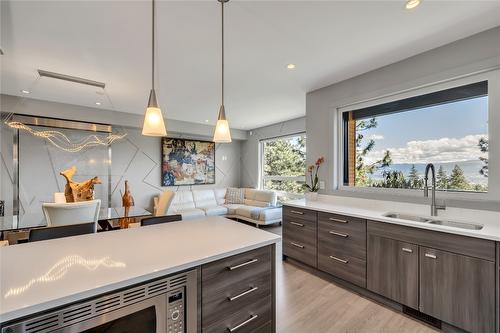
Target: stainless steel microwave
pixel 167 305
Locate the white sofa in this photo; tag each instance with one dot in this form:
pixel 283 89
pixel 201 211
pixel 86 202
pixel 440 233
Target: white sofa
pixel 259 207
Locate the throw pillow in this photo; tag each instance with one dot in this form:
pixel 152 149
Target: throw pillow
pixel 235 195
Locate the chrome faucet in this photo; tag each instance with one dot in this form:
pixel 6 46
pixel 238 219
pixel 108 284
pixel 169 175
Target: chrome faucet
pixel 434 206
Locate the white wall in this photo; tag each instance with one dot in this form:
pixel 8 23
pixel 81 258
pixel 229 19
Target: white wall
pixel 470 55
pixel 250 159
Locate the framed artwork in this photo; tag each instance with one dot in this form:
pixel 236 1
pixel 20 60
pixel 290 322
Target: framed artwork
pixel 187 162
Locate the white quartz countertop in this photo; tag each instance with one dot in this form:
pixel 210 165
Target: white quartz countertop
pixel 42 275
pixel 375 209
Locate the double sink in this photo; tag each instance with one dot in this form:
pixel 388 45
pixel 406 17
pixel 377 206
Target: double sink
pixel 421 219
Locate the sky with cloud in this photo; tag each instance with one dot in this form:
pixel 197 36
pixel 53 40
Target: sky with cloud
pixel 437 134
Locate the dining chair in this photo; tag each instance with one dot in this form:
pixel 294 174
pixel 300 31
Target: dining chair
pixel 58 214
pixel 160 219
pixel 45 233
pixel 162 204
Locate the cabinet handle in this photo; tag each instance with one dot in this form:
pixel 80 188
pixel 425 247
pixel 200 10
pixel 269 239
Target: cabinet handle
pixel 297 245
pixel 297 224
pixel 237 327
pixel 430 255
pixel 337 220
pixel 338 259
pixel 339 234
pixel 296 212
pixel 405 249
pixel 246 292
pixel 232 268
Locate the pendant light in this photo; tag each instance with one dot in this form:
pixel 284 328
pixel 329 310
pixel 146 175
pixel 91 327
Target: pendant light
pixel 153 119
pixel 222 132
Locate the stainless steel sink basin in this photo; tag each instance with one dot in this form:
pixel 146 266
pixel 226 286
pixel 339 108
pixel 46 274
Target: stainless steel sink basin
pixel 408 217
pixel 454 224
pixel 447 223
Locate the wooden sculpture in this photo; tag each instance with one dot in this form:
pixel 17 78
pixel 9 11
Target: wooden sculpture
pixel 78 191
pixel 127 198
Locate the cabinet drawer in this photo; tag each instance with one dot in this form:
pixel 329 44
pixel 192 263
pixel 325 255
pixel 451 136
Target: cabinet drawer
pixel 344 223
pixel 236 268
pixel 349 238
pixel 253 317
pixel 343 266
pixel 301 247
pixel 299 213
pixel 228 298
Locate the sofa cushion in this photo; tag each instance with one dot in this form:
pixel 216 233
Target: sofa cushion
pixel 182 200
pixel 270 214
pixel 251 212
pixel 220 195
pixel 231 208
pixel 256 203
pixel 204 198
pixel 215 211
pixel 235 195
pixel 191 213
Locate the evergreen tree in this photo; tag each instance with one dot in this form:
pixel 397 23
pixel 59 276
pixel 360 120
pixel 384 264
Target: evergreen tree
pixel 442 179
pixel 414 180
pixel 484 147
pixel 457 179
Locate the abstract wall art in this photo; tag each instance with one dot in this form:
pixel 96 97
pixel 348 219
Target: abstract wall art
pixel 187 162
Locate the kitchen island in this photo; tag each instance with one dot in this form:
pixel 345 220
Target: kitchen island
pixel 41 276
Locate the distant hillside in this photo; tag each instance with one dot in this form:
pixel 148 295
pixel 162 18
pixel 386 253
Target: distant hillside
pixel 470 168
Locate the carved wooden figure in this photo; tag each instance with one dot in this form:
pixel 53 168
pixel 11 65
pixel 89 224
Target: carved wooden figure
pixel 78 191
pixel 127 198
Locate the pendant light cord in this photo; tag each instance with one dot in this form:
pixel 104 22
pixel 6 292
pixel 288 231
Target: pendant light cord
pixel 153 46
pixel 222 58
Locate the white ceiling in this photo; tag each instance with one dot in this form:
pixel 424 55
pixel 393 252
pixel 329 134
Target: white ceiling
pixel 109 41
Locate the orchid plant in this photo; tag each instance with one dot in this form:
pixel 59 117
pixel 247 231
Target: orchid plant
pixel 312 171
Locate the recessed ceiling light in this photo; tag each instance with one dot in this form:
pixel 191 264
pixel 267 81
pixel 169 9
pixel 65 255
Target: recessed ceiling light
pixel 290 66
pixel 97 103
pixel 25 91
pixel 206 120
pixel 410 4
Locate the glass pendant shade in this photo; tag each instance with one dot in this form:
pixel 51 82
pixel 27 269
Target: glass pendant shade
pixel 222 132
pixel 153 119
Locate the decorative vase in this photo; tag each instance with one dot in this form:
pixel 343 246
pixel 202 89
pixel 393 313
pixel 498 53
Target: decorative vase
pixel 312 196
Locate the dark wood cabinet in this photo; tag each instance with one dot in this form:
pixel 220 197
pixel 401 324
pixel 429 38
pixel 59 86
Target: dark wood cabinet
pixel 392 269
pixel 458 289
pixel 238 293
pixel 300 235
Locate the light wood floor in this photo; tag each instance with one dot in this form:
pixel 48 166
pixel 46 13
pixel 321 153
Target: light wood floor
pixel 309 304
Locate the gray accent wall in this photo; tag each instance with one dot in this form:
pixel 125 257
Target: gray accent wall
pixel 136 158
pixel 470 55
pixel 250 149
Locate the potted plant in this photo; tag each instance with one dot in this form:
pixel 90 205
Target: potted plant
pixel 312 172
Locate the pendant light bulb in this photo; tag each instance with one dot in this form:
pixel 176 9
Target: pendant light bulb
pixel 153 118
pixel 222 133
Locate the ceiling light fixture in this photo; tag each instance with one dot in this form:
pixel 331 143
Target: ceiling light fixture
pixel 97 103
pixel 290 66
pixel 24 91
pixel 153 119
pixel 222 133
pixel 410 4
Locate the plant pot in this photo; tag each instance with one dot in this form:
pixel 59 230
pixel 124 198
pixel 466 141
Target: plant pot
pixel 312 196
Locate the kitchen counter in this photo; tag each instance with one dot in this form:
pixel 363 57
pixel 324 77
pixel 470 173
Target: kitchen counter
pixel 38 276
pixel 375 209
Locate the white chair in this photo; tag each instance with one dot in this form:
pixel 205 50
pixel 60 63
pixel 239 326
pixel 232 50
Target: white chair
pixel 162 204
pixel 71 213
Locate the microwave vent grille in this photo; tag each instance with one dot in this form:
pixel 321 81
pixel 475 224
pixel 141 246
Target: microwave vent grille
pixel 42 324
pixel 81 311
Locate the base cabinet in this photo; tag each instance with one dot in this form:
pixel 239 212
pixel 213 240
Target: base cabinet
pixel 458 289
pixel 392 270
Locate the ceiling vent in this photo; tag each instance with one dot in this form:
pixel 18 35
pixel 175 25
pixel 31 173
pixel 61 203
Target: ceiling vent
pixel 70 78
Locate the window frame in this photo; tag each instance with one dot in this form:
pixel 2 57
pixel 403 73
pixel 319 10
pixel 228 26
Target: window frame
pixel 262 160
pixel 490 75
